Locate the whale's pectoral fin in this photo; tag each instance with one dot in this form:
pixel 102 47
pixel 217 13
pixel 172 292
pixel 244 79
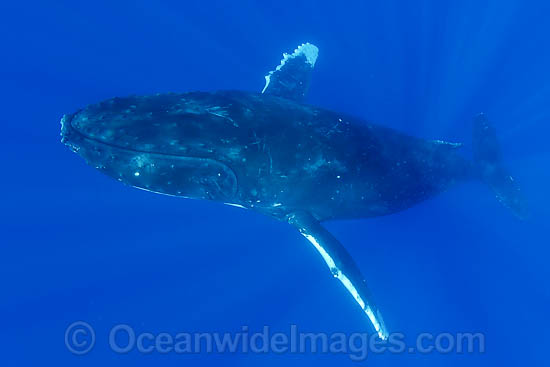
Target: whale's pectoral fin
pixel 291 78
pixel 341 265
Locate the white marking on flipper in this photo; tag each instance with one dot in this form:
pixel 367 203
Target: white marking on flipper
pixel 374 319
pixel 235 205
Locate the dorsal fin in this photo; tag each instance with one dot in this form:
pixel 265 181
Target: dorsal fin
pixel 291 78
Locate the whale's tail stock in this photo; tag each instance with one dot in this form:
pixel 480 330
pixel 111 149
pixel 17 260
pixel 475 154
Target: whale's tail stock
pixel 489 167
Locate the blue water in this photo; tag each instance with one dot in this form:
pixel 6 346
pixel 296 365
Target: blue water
pixel 77 245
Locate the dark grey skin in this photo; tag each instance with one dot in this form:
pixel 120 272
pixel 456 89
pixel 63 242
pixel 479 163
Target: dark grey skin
pixel 271 153
pixel 262 152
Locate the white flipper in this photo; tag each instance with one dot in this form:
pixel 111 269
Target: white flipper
pixel 291 78
pixel 341 266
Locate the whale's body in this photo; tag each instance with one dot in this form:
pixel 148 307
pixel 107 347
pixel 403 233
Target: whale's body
pixel 271 153
pixel 275 155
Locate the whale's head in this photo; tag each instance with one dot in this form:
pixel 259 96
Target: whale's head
pixel 164 143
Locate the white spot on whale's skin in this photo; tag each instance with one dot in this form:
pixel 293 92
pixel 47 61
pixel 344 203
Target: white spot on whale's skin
pixel 312 166
pixel 136 174
pixel 141 160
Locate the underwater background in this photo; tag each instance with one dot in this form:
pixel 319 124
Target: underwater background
pixel 79 246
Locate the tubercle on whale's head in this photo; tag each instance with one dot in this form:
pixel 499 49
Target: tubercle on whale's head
pixel 66 132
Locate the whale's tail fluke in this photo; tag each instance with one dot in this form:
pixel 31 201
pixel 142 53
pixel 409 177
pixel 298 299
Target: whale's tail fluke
pixel 489 167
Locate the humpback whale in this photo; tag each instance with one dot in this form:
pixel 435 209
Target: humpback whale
pixel 270 152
